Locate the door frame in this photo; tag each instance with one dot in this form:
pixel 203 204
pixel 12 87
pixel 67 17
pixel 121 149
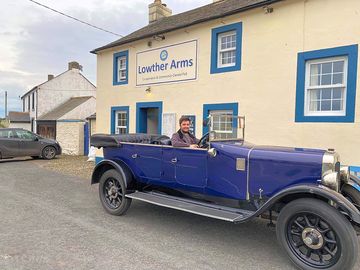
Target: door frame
pixel 141 119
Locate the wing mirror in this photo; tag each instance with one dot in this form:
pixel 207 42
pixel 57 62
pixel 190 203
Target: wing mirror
pixel 212 152
pixel 36 139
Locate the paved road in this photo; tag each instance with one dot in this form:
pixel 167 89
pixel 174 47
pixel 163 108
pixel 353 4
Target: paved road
pixel 51 221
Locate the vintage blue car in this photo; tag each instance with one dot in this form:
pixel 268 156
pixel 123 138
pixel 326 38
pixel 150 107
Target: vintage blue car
pixel 314 200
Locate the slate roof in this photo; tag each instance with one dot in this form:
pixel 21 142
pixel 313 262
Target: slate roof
pixel 202 14
pixel 64 108
pixel 19 117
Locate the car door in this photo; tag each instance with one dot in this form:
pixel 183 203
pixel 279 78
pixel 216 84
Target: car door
pixel 29 144
pixel 185 167
pixel 148 162
pixel 9 144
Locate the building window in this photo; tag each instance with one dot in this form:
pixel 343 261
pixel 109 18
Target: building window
pixel 121 68
pixel 326 85
pixel 33 100
pixel 226 48
pixel 224 122
pixel 28 103
pixel 24 105
pixel 120 120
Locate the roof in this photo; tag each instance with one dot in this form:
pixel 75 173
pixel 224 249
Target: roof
pixel 19 117
pixel 64 108
pixel 34 88
pixel 195 16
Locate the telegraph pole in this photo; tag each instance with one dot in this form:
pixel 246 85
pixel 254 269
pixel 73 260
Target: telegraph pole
pixel 5 104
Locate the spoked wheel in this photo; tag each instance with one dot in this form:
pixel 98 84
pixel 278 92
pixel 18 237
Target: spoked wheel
pixel 49 152
pixel 317 236
pixel 112 190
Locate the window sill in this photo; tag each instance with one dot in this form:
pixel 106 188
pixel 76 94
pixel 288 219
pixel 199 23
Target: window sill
pixel 325 119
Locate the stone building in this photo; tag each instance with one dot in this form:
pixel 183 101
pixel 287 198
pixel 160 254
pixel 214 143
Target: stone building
pixel 59 107
pixel 46 96
pixel 19 120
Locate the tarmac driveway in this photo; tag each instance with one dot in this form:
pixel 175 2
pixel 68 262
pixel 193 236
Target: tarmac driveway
pixel 54 221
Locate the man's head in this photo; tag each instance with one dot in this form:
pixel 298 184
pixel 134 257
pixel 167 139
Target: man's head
pixel 184 122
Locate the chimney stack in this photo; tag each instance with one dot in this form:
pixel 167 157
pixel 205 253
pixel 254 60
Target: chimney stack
pixel 158 10
pixel 75 65
pixel 50 77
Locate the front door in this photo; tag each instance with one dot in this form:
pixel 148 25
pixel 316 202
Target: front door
pixel 148 117
pixel 186 168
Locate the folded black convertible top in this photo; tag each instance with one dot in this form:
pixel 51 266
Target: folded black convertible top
pixel 115 140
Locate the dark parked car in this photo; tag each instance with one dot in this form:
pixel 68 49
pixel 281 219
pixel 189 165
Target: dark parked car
pixel 313 199
pixel 17 142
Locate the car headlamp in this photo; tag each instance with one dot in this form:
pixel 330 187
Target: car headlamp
pixel 331 170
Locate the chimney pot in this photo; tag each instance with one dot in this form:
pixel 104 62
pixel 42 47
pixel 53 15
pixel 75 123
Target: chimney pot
pixel 158 10
pixel 75 65
pixel 50 77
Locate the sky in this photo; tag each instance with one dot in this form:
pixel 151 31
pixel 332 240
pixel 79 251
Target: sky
pixel 36 42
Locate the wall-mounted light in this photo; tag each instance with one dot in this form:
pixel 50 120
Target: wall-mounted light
pixel 268 10
pixel 159 37
pixel 149 43
pixel 148 90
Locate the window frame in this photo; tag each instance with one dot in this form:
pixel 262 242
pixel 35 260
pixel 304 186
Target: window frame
pixel 351 52
pixel 207 108
pixel 220 51
pixel 113 118
pixel 308 87
pixel 116 58
pixel 215 55
pixel 117 122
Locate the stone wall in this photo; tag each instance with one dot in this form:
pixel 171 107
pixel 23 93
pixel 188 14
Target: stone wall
pixel 70 136
pixel 26 126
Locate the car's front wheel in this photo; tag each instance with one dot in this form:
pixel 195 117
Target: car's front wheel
pixel 112 190
pixel 49 152
pixel 317 236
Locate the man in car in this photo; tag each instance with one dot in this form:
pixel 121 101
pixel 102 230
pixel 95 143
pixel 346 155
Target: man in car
pixel 183 137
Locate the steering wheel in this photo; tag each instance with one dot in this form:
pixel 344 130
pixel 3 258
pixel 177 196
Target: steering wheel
pixel 204 141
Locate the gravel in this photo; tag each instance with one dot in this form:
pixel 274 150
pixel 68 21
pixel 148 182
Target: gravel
pixel 69 165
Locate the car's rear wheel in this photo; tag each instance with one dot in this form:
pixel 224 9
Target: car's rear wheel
pixel 112 190
pixel 317 236
pixel 351 194
pixel 49 152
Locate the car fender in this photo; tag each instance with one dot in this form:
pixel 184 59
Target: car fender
pixel 105 165
pixel 344 205
pixel 354 182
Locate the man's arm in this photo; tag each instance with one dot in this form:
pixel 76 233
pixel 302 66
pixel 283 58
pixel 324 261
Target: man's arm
pixel 177 142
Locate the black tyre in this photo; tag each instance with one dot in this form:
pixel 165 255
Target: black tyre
pixel 351 194
pixel 49 152
pixel 112 190
pixel 317 236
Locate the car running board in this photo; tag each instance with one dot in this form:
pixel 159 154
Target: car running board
pixel 192 206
